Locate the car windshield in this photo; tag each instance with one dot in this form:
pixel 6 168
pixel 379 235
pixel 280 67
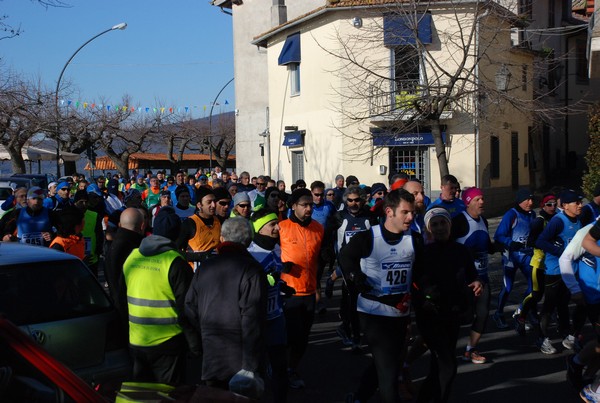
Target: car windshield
pixel 50 291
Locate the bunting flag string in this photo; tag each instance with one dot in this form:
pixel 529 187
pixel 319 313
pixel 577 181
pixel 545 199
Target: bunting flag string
pixel 187 109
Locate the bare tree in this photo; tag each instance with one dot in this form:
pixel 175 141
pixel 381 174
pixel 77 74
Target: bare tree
pixel 222 138
pixel 21 116
pixel 193 135
pixel 426 86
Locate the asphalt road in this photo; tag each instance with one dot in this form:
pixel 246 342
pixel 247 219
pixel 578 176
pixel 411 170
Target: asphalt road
pixel 516 371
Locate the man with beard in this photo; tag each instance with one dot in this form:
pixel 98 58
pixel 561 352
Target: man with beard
pixel 62 198
pixel 201 232
pixel 31 224
pixel 301 238
pixel 223 200
pixel 415 187
pixel 352 219
pixel 380 263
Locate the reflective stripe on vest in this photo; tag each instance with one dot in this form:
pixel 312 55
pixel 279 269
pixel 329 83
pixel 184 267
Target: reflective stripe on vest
pixel 150 299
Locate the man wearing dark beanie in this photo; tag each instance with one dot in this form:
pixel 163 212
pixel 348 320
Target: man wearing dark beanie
pixel 159 332
pixel 201 232
pixel 223 203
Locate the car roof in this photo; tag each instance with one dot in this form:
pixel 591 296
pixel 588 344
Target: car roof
pixel 16 253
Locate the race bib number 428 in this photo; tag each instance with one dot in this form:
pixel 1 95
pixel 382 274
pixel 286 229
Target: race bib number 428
pixel 395 277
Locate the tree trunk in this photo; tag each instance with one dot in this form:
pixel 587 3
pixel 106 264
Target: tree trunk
pixel 16 160
pixel 539 176
pixel 440 148
pixel 121 162
pixel 70 167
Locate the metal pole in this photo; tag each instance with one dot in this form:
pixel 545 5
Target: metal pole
pixel 210 122
pixel 120 26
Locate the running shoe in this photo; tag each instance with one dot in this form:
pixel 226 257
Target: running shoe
pixel 346 340
pixel 500 321
pixel 474 356
pixel 477 358
pixel 574 372
pixel 516 314
pixel 569 342
pixel 520 326
pixel 588 395
pixel 294 380
pixel 545 346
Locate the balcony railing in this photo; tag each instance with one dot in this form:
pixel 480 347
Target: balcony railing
pixel 398 104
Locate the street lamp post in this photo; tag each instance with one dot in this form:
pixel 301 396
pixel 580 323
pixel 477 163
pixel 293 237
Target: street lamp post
pixel 120 26
pixel 210 123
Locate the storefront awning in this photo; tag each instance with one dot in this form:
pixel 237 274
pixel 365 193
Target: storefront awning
pixel 399 29
pixel 291 50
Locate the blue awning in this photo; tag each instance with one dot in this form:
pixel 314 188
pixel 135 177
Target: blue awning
pixel 398 29
pixel 291 50
pixel 382 138
pixel 294 139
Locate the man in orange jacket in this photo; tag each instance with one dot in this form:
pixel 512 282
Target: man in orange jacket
pixel 300 238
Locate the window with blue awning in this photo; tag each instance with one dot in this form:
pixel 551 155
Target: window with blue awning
pixel 291 50
pixel 399 29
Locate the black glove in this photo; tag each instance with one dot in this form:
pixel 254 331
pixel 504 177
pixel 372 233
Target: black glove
pixel 287 267
pixel 515 246
pixel 360 282
pixel 430 307
pixel 286 289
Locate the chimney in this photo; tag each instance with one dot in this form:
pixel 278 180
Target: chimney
pixel 278 13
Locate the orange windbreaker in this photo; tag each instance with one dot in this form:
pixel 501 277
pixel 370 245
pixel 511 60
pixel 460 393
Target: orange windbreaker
pixel 301 246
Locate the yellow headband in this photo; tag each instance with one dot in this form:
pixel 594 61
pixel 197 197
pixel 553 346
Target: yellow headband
pixel 258 224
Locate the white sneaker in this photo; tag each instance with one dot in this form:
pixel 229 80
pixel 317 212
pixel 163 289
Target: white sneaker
pixel 588 395
pixel 546 347
pixel 569 342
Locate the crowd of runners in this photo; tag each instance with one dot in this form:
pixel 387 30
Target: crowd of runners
pixel 234 268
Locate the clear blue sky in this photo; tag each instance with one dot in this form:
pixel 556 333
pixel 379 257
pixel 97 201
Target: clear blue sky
pixel 172 54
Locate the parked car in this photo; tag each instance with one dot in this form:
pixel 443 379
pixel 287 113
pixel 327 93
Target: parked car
pixel 41 180
pixel 17 182
pixel 53 297
pixel 29 373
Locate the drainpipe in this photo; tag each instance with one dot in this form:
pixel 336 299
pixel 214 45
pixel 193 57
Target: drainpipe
pixel 477 106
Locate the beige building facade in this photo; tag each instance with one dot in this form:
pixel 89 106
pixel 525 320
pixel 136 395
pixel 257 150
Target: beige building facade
pixel 356 120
